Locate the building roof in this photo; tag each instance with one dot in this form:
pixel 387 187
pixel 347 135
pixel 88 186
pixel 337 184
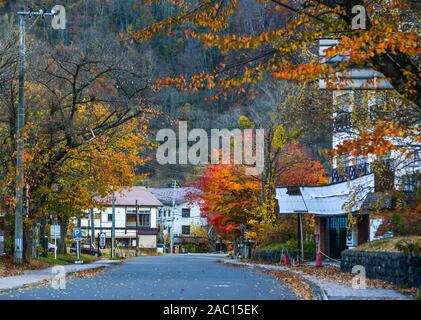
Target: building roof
pixel 165 195
pixel 334 199
pixel 129 196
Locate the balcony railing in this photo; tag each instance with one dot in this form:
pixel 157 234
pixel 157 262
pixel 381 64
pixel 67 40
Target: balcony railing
pixel 342 122
pixel 350 173
pixel 147 231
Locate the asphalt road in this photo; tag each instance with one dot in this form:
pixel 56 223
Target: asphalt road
pixel 177 277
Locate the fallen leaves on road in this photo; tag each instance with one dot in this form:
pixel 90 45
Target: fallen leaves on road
pixel 86 273
pixel 8 269
pixel 294 282
pixel 334 274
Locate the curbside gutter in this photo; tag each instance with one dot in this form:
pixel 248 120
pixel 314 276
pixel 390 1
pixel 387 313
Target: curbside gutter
pixel 318 292
pixel 37 277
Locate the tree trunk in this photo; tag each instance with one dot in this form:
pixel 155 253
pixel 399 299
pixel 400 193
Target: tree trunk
pixel 27 242
pixel 8 234
pixel 64 223
pixel 234 243
pixel 42 238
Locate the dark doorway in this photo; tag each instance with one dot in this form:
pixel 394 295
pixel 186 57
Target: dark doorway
pixel 337 235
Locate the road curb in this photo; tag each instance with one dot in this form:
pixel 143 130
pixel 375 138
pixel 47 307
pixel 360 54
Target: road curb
pixel 318 292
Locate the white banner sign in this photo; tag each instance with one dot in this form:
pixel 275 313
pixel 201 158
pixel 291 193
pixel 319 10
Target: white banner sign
pixel 55 231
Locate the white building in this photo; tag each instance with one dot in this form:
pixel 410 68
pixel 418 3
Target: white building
pixel 354 187
pixel 403 170
pixel 183 218
pixel 135 215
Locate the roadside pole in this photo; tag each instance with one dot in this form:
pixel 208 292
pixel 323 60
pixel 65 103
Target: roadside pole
pixel 55 232
pixel 55 245
pixel 77 236
pixel 78 249
pixel 92 229
pixel 172 218
pixel 137 228
pixel 113 229
pixel 300 247
pixel 20 144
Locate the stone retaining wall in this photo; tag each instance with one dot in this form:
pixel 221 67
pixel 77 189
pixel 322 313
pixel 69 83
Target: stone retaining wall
pixel 274 256
pixel 390 266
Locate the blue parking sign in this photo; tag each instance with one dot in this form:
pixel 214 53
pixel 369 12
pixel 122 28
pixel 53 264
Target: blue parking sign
pixel 77 233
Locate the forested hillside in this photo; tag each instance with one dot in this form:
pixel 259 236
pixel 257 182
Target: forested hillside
pixel 103 27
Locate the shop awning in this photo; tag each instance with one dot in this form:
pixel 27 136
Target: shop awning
pixel 334 199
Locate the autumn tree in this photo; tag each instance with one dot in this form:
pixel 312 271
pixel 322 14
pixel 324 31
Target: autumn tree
pixel 228 198
pixel 85 116
pixel 298 168
pixel 283 109
pixel 288 50
pixel 389 44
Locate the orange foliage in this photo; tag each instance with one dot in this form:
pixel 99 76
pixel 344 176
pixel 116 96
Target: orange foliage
pixel 227 196
pixel 298 168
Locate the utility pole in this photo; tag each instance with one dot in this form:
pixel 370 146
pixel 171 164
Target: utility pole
pixel 137 228
pixel 20 143
pixel 172 217
pixel 300 247
pixel 113 229
pixel 92 228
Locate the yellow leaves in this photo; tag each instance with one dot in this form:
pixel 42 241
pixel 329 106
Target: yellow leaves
pixel 245 123
pixel 279 137
pixel 379 140
pixel 251 235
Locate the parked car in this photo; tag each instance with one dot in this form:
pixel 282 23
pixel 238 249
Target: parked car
pixel 51 247
pixel 85 249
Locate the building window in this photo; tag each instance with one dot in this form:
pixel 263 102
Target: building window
pixel 342 122
pixel 185 212
pixel 144 217
pixel 145 220
pixel 410 182
pixel 110 217
pixel 185 229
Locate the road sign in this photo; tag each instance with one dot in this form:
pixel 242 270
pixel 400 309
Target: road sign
pixel 352 236
pixel 77 233
pixel 102 240
pixel 55 231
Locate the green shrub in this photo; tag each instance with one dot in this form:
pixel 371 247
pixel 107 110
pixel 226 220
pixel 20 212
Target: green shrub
pixel 409 247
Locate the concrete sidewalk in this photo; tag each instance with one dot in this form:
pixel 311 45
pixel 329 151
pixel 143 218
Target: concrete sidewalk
pixel 33 277
pixel 328 290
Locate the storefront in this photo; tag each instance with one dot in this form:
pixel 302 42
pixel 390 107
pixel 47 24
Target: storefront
pixel 331 205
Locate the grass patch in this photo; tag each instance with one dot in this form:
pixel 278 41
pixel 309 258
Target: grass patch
pixel 66 258
pixel 108 256
pixel 386 245
pixel 273 246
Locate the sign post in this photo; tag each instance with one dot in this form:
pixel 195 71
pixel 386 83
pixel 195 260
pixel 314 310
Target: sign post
pixel 77 235
pixel 102 240
pixel 164 237
pixel 55 234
